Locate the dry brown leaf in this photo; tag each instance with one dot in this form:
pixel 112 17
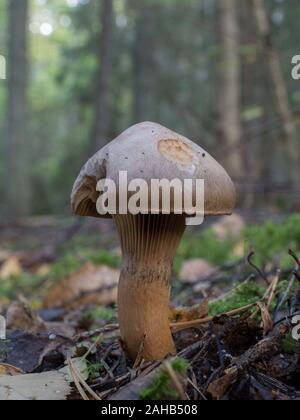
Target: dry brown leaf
pixel 229 227
pixel 189 314
pixel 266 318
pixel 42 270
pixel 196 270
pixel 9 370
pixel 10 268
pixel 90 285
pixel 239 249
pixel 47 386
pixel 219 387
pixel 21 317
pixel 4 255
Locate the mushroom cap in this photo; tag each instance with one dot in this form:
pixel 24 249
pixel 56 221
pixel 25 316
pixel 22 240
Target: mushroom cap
pixel 150 151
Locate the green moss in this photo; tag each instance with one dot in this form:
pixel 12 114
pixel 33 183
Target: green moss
pixel 204 245
pixel 103 257
pixel 162 387
pixel 101 313
pixel 273 240
pixel 243 295
pixel 289 345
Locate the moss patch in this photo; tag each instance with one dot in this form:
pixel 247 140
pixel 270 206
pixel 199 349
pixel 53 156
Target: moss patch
pixel 162 387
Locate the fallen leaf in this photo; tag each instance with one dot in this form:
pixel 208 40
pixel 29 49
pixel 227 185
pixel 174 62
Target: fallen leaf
pixel 10 268
pixel 196 270
pixel 9 370
pixel 90 285
pixel 49 386
pixel 219 387
pixel 42 270
pixel 229 227
pixel 4 255
pixel 189 314
pixel 239 249
pixel 21 317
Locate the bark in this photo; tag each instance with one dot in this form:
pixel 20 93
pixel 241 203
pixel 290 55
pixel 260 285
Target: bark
pixel 17 186
pixel 229 95
pixel 290 147
pixel 102 85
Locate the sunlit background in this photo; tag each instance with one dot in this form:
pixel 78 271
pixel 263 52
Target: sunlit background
pixel 195 66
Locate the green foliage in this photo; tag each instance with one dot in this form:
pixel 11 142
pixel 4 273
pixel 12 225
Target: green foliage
pixel 162 387
pixel 273 240
pixel 243 295
pixel 93 369
pixel 204 245
pixel 102 313
pixel 289 345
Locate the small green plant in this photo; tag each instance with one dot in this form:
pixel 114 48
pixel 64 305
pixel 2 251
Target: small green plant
pixel 162 387
pixel 93 369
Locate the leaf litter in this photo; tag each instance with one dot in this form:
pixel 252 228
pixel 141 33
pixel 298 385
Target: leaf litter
pixel 228 348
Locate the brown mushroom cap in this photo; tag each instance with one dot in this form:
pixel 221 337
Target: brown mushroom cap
pixel 150 151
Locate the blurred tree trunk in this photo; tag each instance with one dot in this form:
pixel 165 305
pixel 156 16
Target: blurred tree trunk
pixel 143 55
pixel 229 88
pixel 102 85
pixel 290 147
pixel 17 171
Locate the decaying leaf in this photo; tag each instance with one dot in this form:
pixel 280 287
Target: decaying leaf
pixel 90 285
pixel 48 386
pixel 196 270
pixel 229 227
pixel 9 370
pixel 21 317
pixel 10 268
pixel 189 314
pixel 219 387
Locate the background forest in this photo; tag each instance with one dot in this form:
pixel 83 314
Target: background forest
pixel 81 71
pixel 78 73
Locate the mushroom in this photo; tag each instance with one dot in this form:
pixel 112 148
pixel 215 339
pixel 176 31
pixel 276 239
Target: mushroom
pixel 149 242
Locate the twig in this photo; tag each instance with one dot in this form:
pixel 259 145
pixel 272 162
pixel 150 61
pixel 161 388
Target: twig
pixel 295 257
pixel 273 288
pixel 94 345
pixel 76 382
pixel 80 381
pixel 175 380
pixel 190 324
pixel 256 268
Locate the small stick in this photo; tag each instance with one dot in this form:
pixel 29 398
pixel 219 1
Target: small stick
pixel 273 288
pixel 256 268
pixel 92 347
pixel 76 382
pixel 189 324
pixel 76 375
pixel 294 255
pixel 175 380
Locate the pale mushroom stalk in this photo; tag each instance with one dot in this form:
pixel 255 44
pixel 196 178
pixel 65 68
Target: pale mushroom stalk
pixel 149 244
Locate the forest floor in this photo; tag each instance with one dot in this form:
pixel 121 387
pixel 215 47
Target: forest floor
pixel 235 291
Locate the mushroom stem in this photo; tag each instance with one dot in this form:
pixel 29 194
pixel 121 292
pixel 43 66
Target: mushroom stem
pixel 149 244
